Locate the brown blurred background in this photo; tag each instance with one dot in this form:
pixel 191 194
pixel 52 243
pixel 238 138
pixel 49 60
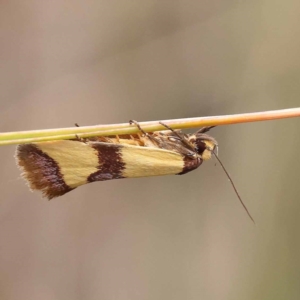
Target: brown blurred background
pixel 173 237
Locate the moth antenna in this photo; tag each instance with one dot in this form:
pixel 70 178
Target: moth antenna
pixel 217 147
pixel 237 193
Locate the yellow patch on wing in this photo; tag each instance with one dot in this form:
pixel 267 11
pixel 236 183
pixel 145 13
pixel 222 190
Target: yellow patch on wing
pixel 144 162
pixel 76 160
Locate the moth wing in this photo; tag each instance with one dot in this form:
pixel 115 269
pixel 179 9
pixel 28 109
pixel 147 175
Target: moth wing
pixel 148 161
pixel 57 167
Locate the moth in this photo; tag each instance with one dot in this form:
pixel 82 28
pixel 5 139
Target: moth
pixel 58 167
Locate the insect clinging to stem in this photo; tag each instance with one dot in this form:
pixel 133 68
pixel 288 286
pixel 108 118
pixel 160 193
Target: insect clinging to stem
pixel 57 167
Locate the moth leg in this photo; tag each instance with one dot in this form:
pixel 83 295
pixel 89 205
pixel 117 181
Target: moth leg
pixel 184 141
pixel 205 129
pixel 83 140
pixel 138 126
pixel 174 131
pixel 78 138
pixel 142 131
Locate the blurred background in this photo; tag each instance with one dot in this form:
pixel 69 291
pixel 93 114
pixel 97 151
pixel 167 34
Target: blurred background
pixel 172 237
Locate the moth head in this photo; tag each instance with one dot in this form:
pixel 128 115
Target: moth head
pixel 204 144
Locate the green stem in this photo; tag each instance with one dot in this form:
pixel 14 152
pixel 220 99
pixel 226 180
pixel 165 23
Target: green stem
pixel 20 137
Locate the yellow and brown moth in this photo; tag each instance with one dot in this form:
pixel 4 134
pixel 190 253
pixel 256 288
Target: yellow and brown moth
pixel 57 167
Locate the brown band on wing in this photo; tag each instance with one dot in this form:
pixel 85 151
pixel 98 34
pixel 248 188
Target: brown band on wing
pixel 190 164
pixel 41 171
pixel 111 164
